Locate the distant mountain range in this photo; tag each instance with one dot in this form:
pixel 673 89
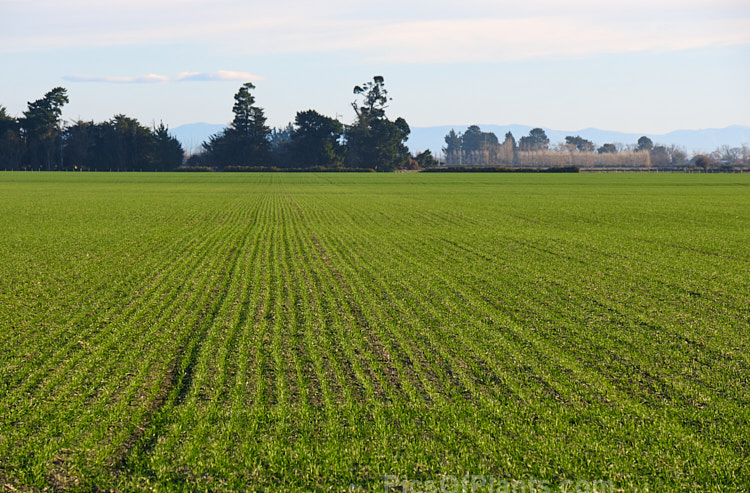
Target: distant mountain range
pixel 193 135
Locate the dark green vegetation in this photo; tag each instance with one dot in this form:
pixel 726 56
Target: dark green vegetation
pixel 287 332
pixel 371 142
pixel 40 140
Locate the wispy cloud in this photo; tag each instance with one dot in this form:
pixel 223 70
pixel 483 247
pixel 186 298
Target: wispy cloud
pixel 218 76
pixel 142 79
pixel 498 40
pixel 221 75
pixel 420 31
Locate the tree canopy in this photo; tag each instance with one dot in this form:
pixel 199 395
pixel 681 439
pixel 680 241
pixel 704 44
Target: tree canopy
pixel 120 144
pixel 607 148
pixel 11 144
pixel 645 144
pixel 474 140
pixel 536 141
pixel 372 140
pixel 246 141
pixel 41 130
pixel 315 140
pixel 579 144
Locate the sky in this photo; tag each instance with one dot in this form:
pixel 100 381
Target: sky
pixel 627 65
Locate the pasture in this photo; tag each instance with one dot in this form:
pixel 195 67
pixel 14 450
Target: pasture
pixel 374 332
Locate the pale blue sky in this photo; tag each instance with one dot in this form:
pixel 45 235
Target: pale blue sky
pixel 627 65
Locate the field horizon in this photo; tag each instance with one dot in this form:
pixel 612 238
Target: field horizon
pixel 374 332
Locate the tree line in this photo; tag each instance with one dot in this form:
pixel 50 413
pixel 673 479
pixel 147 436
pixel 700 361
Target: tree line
pixel 40 140
pixel 372 142
pixel 477 148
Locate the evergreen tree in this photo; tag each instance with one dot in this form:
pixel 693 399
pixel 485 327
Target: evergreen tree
pixel 168 152
pixel 452 151
pixel 11 143
pixel 245 142
pixel 315 140
pixel 41 130
pixel 536 141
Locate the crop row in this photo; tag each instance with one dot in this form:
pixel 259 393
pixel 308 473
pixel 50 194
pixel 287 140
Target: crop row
pixel 291 332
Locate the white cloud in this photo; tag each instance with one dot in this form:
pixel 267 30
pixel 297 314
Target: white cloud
pixel 221 75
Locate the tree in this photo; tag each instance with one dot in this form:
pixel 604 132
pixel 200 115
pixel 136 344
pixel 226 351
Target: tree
pixel 731 156
pixel 131 144
pixel 660 157
pixel 11 143
pixel 471 147
pixel 245 141
pixel 168 152
pixel 607 149
pixel 705 162
pixel 40 128
pixel 536 141
pixel 645 144
pixel 385 144
pixel 510 149
pixel 280 145
pixel 374 98
pixel 452 150
pixel 677 155
pixel 79 141
pixel 579 144
pixel 426 160
pixel 373 141
pixel 474 140
pixel 315 140
pixel 120 144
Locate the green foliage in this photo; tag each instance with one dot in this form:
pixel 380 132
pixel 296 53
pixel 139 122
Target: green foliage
pixel 373 141
pixel 45 113
pixel 452 149
pixel 579 144
pixel 316 140
pixel 536 141
pixel 607 149
pixel 120 144
pixel 645 144
pixel 11 143
pixel 246 141
pixel 425 159
pixel 374 99
pixel 474 140
pixel 168 152
pixel 40 130
pixel 475 147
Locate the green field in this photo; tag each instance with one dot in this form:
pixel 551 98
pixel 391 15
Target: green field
pixel 359 332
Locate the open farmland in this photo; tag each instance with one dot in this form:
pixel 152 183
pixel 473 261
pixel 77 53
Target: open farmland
pixel 297 332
